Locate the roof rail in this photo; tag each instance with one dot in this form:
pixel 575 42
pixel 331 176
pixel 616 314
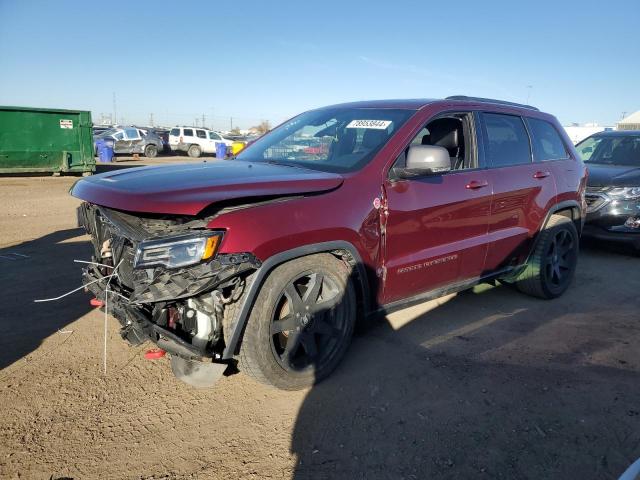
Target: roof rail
pixel 490 100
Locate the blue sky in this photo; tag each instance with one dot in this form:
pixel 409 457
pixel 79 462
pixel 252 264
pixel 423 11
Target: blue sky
pixel 255 60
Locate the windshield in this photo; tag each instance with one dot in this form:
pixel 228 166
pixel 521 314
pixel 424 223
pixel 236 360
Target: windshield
pixel 332 140
pixel 611 150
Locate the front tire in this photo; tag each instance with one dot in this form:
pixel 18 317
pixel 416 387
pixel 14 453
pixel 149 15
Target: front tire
pixel 301 323
pixel 194 151
pixel 553 263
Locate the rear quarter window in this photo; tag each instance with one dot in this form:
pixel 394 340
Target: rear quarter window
pixel 175 132
pixel 545 140
pixel 506 140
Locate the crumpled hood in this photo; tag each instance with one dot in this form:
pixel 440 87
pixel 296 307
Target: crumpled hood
pixel 186 189
pixel 613 175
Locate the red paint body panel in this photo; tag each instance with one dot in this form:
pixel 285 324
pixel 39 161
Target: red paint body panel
pixel 435 232
pixel 520 204
pixel 189 188
pixel 346 213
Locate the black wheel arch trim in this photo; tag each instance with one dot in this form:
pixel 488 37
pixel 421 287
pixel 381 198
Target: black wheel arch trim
pixel 564 205
pixel 232 341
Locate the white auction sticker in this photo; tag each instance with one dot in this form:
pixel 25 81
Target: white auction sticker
pixel 376 124
pixel 66 123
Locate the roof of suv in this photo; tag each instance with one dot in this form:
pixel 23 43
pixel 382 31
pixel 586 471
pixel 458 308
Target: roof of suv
pixel 407 104
pixel 418 103
pixel 617 133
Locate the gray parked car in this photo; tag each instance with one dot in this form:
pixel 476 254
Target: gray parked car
pixel 132 140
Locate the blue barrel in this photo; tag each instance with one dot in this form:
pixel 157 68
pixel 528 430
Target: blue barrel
pixel 221 150
pixel 99 145
pixel 106 153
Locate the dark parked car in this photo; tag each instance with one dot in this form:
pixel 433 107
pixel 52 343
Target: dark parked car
pixel 613 191
pixel 270 259
pixel 130 140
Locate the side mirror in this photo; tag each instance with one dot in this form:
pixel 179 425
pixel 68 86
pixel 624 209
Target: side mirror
pixel 425 160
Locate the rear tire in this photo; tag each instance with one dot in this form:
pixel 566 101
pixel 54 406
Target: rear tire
pixel 194 151
pixel 553 263
pixel 150 151
pixel 301 323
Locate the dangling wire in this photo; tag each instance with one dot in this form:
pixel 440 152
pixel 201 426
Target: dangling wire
pixel 84 285
pixel 93 263
pixel 106 313
pixel 106 302
pixel 68 293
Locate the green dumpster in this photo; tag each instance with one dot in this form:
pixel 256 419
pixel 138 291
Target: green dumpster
pixel 45 140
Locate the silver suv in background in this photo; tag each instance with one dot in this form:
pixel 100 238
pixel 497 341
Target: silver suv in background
pixel 130 140
pixel 195 141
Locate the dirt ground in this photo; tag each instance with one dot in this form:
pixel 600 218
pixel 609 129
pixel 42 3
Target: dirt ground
pixel 484 384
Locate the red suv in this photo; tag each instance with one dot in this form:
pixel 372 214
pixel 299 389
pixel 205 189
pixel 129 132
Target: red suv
pixel 269 258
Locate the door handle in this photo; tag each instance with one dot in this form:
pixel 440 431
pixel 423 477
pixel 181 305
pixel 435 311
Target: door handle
pixel 475 184
pixel 541 174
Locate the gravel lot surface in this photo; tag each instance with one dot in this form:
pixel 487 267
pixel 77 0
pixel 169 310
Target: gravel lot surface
pixel 484 384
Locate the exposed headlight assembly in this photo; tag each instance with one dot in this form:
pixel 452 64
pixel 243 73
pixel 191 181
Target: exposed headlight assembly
pixel 178 251
pixel 625 193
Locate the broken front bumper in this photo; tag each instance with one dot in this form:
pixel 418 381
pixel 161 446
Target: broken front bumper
pixel 137 326
pixel 179 309
pixel 191 364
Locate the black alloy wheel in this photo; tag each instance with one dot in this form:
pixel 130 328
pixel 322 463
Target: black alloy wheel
pixel 307 322
pixel 301 322
pixel 559 258
pixel 553 262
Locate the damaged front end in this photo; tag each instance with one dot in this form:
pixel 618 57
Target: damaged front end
pixel 166 283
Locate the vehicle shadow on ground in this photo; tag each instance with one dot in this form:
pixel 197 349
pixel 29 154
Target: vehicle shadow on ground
pixel 491 384
pixel 38 269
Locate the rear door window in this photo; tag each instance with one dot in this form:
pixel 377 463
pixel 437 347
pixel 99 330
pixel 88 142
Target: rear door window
pixel 188 132
pixel 131 133
pixel 546 141
pixel 201 134
pixel 506 140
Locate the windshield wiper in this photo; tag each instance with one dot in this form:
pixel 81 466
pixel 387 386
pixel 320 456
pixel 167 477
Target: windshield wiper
pixel 284 164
